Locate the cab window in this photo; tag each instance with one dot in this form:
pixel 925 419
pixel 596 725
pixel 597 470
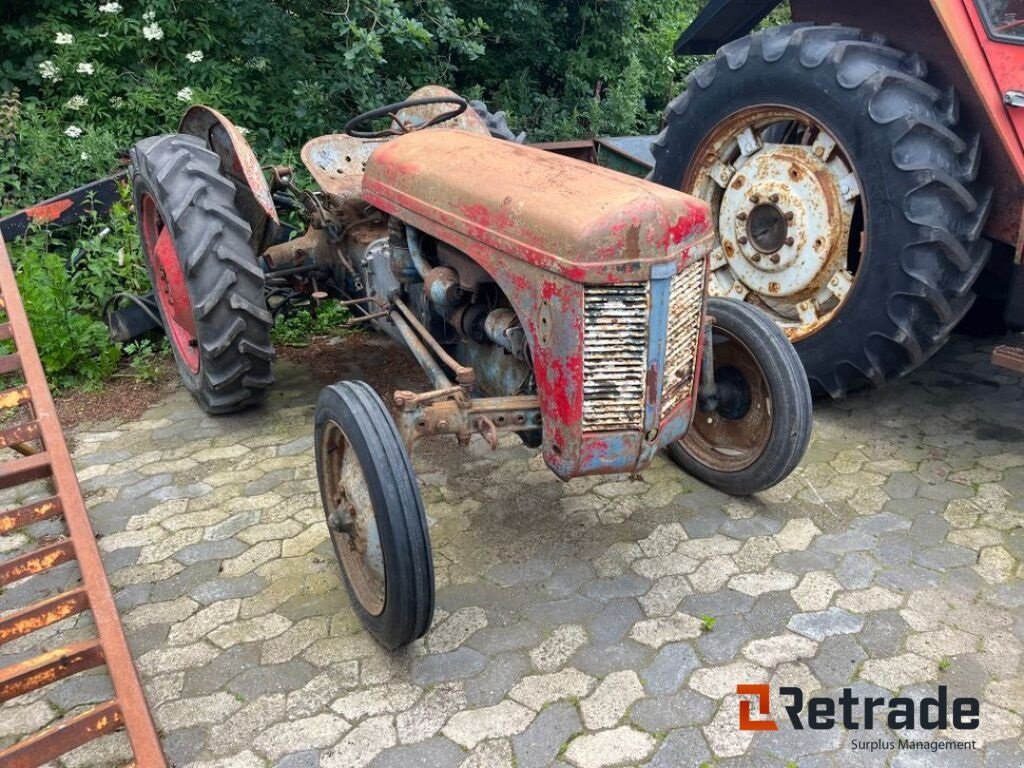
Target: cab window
pixel 1004 19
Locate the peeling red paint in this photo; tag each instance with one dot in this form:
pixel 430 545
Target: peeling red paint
pixel 47 212
pixel 695 222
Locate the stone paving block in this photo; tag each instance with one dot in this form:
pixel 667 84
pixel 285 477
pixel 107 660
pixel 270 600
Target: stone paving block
pixel 837 660
pixel 469 727
pixel 432 753
pixel 361 745
pixel 605 748
pixel 297 735
pixel 600 662
pixel 609 702
pixel 537 691
pixel 540 743
pixel 669 670
pixel 822 624
pixel 443 667
pixel 495 681
pixel 558 647
pixel 660 714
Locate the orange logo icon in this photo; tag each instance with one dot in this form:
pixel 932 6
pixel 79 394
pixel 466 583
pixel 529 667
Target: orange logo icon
pixel 761 692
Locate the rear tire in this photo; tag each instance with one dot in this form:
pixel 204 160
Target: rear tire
pixel 375 514
pixel 224 356
pixel 762 425
pixel 922 209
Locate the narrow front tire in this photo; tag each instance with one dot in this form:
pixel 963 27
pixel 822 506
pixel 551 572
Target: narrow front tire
pixel 761 425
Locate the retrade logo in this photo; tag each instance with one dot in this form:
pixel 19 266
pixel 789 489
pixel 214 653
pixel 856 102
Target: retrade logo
pixel 853 712
pixel 761 693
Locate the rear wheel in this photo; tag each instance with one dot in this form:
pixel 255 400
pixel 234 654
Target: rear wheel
pixel 761 423
pixel 374 513
pixel 207 282
pixel 844 200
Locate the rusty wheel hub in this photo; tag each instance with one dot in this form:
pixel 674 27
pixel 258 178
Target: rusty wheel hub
pixel 784 195
pixel 352 522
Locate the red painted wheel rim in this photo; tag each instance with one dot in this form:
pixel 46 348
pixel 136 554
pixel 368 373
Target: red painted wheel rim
pixel 169 283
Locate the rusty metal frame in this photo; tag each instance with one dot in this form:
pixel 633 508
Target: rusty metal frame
pixel 128 709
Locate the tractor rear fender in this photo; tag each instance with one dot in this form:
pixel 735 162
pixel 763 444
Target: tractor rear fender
pixel 239 162
pixel 946 35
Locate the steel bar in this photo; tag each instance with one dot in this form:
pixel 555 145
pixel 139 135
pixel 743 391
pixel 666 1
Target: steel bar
pixel 36 561
pixel 42 614
pixel 19 433
pixel 421 353
pixel 129 708
pixel 460 370
pixel 48 668
pixel 43 747
pixel 24 470
pixel 29 514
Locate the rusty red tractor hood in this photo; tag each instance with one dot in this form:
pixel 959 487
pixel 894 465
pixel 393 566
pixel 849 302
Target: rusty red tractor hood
pixel 605 271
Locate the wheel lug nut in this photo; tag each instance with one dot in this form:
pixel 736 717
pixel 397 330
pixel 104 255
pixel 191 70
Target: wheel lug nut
pixel 742 239
pixel 775 258
pixel 790 241
pixel 755 199
pixel 742 216
pixel 789 215
pixel 755 258
pixel 774 198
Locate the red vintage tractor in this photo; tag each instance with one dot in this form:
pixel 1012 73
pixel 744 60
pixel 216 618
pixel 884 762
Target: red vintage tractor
pixel 541 295
pixel 858 183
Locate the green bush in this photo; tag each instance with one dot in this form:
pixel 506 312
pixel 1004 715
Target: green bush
pixel 65 277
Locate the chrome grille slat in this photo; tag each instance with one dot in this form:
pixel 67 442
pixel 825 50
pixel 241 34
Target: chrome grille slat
pixel 686 298
pixel 615 333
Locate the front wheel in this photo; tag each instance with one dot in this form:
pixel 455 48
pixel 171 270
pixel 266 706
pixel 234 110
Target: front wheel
pixel 761 423
pixel 374 513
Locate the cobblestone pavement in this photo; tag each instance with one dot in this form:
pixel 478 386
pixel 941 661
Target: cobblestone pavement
pixel 569 622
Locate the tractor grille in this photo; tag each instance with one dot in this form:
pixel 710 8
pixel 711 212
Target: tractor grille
pixel 686 296
pixel 614 356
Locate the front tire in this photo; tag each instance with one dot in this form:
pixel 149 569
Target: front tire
pixel 374 513
pixel 208 284
pixel 761 426
pixel 843 135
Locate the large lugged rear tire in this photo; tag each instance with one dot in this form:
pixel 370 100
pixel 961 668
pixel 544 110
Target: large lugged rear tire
pixel 207 281
pixel 760 427
pixel 821 102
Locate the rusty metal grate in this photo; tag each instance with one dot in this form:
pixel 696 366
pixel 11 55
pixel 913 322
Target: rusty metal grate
pixel 686 297
pixel 30 418
pixel 615 331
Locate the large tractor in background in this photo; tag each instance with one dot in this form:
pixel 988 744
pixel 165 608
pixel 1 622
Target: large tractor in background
pixel 861 164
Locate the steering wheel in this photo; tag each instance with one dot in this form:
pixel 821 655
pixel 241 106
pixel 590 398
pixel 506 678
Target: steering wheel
pixel 391 110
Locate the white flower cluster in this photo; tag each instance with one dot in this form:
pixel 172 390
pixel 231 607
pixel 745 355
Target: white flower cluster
pixel 185 94
pixel 241 130
pixel 64 38
pixel 153 31
pixel 149 15
pixel 72 131
pixel 76 102
pixel 259 63
pixel 111 8
pixel 85 68
pixel 116 102
pixel 194 57
pixel 49 71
